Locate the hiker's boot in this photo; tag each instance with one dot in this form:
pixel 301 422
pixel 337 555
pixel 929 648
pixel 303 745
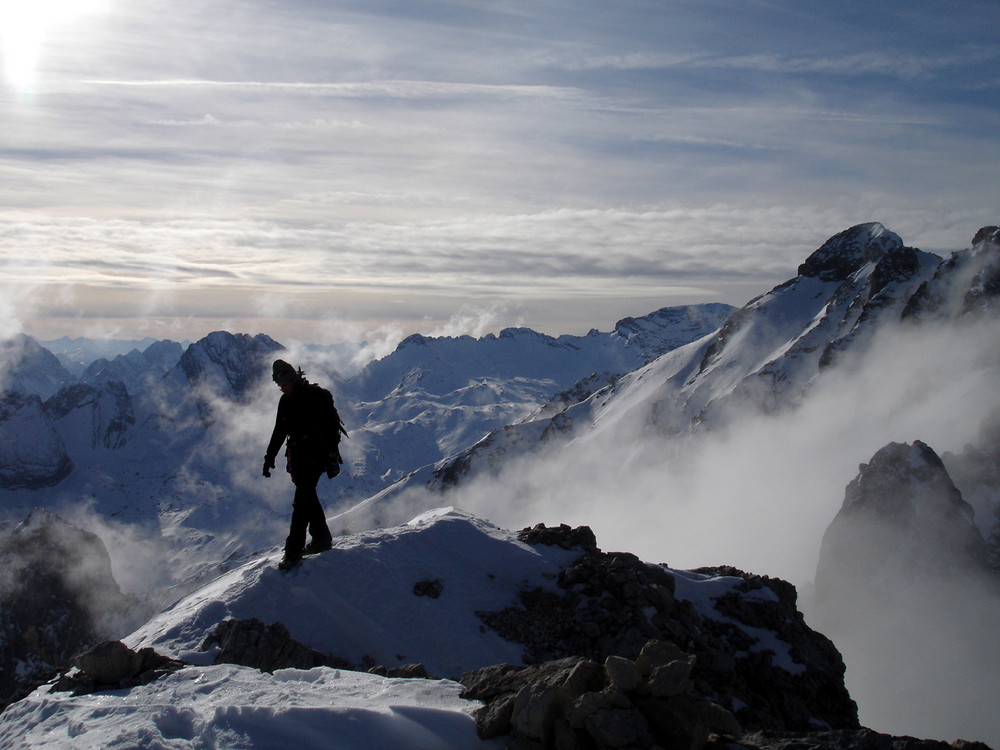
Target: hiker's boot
pixel 314 547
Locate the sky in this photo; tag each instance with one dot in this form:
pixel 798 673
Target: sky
pixel 322 170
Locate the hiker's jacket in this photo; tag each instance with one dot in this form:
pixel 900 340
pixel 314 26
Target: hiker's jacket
pixel 308 419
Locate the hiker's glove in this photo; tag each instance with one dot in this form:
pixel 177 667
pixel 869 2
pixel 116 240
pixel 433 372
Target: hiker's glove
pixel 268 465
pixel 333 464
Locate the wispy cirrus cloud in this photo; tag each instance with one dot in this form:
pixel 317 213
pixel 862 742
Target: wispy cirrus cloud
pixel 641 153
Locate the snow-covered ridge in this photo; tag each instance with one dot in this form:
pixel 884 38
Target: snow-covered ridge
pixel 361 601
pixel 768 353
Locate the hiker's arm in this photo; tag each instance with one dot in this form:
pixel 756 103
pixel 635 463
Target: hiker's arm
pixel 278 436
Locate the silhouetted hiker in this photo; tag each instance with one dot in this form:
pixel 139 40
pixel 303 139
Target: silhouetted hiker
pixel 309 421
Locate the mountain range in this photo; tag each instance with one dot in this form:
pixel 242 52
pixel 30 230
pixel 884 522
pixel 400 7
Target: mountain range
pixel 687 432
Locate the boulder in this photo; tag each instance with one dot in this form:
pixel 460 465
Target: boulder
pixel 109 662
pixel 251 643
pixel 576 703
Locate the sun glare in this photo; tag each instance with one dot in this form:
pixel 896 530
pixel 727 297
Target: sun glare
pixel 25 28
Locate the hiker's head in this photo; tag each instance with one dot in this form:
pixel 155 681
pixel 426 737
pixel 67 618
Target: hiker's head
pixel 285 375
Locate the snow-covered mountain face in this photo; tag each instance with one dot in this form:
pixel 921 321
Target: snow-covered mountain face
pixel 172 441
pixel 433 397
pixel 867 322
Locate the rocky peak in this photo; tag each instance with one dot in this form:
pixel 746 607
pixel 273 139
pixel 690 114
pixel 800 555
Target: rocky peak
pixel 902 516
pixel 414 339
pixel 228 363
pixel 897 477
pixel 846 252
pixel 987 235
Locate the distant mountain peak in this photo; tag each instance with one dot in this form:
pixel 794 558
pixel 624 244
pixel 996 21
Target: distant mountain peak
pixel 231 362
pixel 846 252
pixel 987 235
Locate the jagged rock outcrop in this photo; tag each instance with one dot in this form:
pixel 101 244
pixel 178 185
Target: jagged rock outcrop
pixel 103 413
pixel 57 596
pixel 251 643
pixel 32 454
pixel 966 284
pixel 904 587
pixel 902 518
pixel 754 653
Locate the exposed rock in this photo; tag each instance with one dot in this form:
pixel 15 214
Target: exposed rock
pixel 405 672
pixel 225 365
pixel 847 251
pixel 671 679
pixel 106 410
pixel 613 604
pixel 58 597
pixel 251 643
pixel 431 589
pixel 575 703
pixel 623 673
pixel 902 518
pixel 113 664
pixel 109 662
pixel 965 284
pixel 560 536
pixel 904 587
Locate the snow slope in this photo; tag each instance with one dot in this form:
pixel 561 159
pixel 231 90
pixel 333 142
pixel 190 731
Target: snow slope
pixel 237 707
pixel 356 601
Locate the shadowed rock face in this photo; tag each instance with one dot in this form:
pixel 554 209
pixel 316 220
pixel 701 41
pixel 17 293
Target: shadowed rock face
pixel 965 284
pixel 56 589
pixel 902 518
pixel 613 604
pixel 32 455
pixel 846 252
